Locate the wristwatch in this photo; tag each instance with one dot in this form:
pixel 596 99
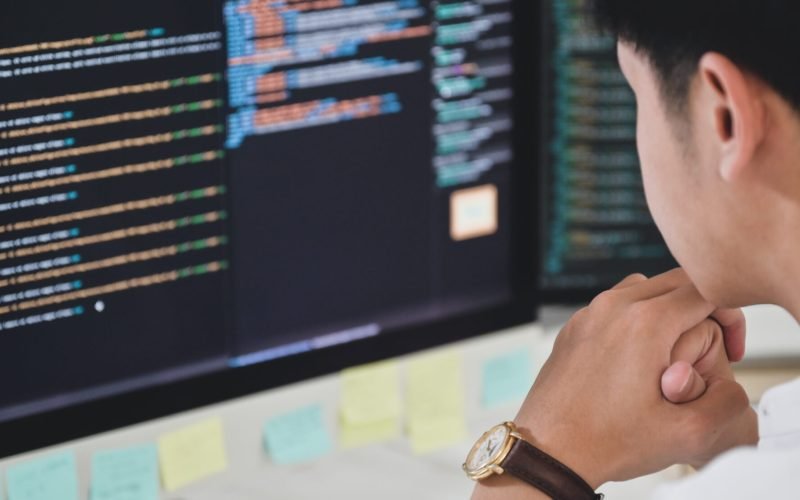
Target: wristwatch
pixel 502 449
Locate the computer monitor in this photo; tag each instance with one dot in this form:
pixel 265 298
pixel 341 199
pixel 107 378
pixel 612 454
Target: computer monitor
pixel 596 227
pixel 205 198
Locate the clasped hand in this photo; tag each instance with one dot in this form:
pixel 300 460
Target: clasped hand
pixel 639 380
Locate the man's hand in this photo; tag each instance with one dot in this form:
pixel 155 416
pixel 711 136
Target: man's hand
pixel 597 404
pixel 698 358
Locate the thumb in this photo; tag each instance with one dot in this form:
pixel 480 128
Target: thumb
pixel 698 354
pixel 717 422
pixel 723 399
pixel 681 383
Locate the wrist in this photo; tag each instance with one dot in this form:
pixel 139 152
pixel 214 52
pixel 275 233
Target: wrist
pixel 566 447
pixel 506 488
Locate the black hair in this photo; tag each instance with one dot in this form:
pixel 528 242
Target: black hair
pixel 761 36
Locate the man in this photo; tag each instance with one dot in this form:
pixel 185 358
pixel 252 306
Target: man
pixel 640 379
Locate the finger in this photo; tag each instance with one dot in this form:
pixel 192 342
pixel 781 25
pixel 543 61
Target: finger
pixel 701 347
pixel 692 358
pixel 679 311
pixel 734 329
pixel 658 285
pixel 630 281
pixel 681 383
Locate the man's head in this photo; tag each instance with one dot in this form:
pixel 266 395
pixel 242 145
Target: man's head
pixel 718 92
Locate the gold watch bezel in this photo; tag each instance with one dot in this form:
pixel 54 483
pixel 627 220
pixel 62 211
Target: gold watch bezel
pixel 494 465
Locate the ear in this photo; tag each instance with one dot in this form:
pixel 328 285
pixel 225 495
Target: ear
pixel 737 113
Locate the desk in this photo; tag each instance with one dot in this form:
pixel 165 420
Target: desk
pixel 389 471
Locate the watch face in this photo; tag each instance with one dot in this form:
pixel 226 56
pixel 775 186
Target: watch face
pixel 488 448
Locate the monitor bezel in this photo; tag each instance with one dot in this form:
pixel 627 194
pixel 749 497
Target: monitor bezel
pixel 116 412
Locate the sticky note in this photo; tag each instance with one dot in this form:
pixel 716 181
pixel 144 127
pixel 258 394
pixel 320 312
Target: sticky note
pixel 125 474
pixel 371 392
pixel 352 435
pixel 53 477
pixel 507 378
pixel 298 436
pixel 371 405
pixel 436 414
pixel 473 212
pixel 434 434
pixel 192 453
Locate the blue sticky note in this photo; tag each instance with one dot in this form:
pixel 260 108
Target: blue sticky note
pixel 298 436
pixel 125 474
pixel 507 378
pixel 53 477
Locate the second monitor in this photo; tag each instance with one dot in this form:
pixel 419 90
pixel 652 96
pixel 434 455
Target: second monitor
pixel 596 224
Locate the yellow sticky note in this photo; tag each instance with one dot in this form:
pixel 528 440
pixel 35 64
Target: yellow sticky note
pixel 370 404
pixel 371 392
pixel 436 415
pixel 428 436
pixel 352 435
pixel 192 453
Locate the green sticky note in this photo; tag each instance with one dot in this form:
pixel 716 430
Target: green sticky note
pixel 436 412
pixel 298 436
pixel 371 405
pixel 507 378
pixel 53 477
pixel 125 474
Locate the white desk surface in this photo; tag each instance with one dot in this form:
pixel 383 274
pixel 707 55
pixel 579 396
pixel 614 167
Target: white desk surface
pixel 388 471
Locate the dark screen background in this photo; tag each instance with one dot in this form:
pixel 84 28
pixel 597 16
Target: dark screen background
pixel 314 230
pixel 140 331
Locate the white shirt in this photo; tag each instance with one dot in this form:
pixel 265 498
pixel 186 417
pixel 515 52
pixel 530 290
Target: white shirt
pixel 770 471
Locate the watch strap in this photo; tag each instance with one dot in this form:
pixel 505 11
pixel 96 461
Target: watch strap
pixel 547 474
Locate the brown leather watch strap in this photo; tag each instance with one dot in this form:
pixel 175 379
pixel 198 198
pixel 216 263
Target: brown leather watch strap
pixel 547 474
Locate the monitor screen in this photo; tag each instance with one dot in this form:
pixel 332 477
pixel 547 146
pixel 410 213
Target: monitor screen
pixel 596 225
pixel 197 187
